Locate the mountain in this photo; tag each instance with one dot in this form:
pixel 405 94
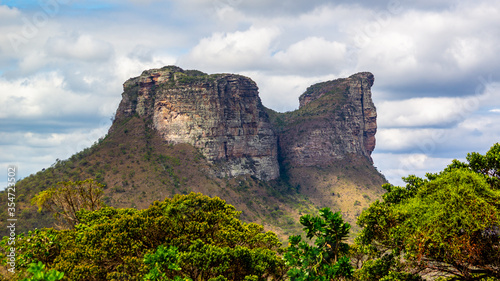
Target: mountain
pixel 221 115
pixel 336 120
pixel 177 131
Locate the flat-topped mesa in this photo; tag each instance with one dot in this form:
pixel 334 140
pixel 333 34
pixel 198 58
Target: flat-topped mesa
pixel 336 119
pixel 220 114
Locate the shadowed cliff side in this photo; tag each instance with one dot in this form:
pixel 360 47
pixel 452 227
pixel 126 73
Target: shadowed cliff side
pixel 325 146
pixel 336 120
pixel 178 131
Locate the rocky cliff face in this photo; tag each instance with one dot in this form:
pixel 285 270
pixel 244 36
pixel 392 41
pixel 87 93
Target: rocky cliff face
pixel 220 114
pixel 336 119
pixel 223 117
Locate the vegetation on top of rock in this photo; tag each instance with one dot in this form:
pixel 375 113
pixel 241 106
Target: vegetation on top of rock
pixel 195 73
pixel 40 273
pixel 192 78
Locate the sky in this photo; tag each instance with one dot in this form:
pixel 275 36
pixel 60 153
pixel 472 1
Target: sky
pixel 436 65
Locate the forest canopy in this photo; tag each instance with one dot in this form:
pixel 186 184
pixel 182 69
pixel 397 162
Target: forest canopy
pixel 445 226
pixel 202 237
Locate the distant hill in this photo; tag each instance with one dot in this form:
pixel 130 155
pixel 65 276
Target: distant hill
pixel 178 131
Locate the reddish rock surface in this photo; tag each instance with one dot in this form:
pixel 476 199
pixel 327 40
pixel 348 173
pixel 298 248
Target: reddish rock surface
pixel 222 115
pixel 335 119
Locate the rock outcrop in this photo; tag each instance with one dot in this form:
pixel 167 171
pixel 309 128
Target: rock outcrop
pixel 220 114
pixel 336 119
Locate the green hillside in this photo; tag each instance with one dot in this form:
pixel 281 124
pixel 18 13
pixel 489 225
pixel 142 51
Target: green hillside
pixel 138 167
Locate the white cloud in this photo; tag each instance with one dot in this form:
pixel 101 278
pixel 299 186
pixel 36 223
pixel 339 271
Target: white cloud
pixel 470 52
pixel 44 96
pixel 434 63
pixel 440 111
pixel 394 50
pixel 314 55
pixel 402 46
pixel 23 32
pixel 143 2
pixel 403 151
pixel 82 47
pixel 479 131
pixel 421 140
pixel 237 50
pixel 281 93
pixel 33 62
pixel 478 123
pixel 419 46
pixel 8 14
pixel 42 149
pixel 322 16
pixel 395 166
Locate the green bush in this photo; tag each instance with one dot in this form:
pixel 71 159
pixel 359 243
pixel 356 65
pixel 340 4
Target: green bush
pixel 448 222
pixel 39 273
pixel 173 238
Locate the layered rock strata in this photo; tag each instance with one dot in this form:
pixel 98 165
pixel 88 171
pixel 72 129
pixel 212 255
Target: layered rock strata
pixel 220 114
pixel 335 120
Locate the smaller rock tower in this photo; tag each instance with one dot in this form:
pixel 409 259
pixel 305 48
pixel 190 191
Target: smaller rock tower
pixel 336 120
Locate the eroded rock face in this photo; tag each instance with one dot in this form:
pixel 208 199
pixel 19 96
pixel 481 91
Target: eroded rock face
pixel 335 119
pixel 220 114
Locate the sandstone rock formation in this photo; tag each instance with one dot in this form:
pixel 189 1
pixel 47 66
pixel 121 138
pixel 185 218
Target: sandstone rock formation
pixel 336 119
pixel 220 114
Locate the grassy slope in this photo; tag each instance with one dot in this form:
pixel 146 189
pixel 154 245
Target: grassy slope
pixel 138 167
pixel 347 185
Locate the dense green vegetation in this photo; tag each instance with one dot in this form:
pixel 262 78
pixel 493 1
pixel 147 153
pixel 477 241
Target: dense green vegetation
pixel 445 226
pixel 190 236
pixel 136 168
pixel 327 259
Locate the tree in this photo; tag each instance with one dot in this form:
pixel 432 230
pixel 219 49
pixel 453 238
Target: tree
pixel 68 198
pixel 487 165
pixel 447 224
pixel 186 237
pixel 327 259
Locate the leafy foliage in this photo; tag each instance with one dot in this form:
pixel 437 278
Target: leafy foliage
pixel 188 237
pixel 385 267
pixel 448 223
pixel 327 259
pixel 487 165
pixel 41 274
pixel 160 260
